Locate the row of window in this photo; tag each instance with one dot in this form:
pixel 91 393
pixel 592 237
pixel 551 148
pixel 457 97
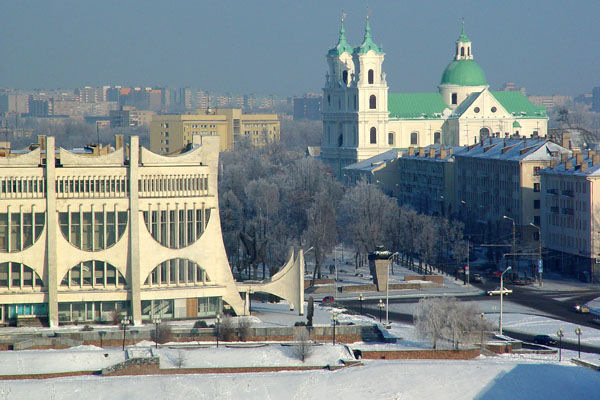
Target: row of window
pixel 93 231
pixel 176 228
pixel 14 275
pixel 90 186
pixel 177 271
pixel 20 185
pixel 19 230
pixel 173 184
pixel 95 274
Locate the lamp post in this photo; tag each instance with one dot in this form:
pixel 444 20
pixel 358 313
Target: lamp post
pixel 539 266
pixel 514 238
pixel 361 298
pixel 250 291
pixel 101 334
pixel 334 319
pixel 387 292
pixel 218 326
pixel 380 305
pixel 124 322
pixel 156 321
pixel 502 294
pixel 578 333
pixel 560 335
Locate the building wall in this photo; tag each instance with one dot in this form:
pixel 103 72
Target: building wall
pixel 108 222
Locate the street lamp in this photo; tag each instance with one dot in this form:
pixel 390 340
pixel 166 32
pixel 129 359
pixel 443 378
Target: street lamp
pixel 539 266
pixel 334 319
pixel 578 333
pixel 513 248
pixel 560 335
pixel 387 292
pixel 361 298
pixel 502 293
pixel 380 305
pixel 124 322
pixel 156 321
pixel 250 291
pixel 218 326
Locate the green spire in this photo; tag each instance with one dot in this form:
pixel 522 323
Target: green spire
pixel 368 43
pixel 342 46
pixel 463 38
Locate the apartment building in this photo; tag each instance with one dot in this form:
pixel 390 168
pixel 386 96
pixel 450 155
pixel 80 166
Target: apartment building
pixel 172 132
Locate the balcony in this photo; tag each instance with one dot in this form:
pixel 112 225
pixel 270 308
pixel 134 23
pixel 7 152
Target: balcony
pixel 568 193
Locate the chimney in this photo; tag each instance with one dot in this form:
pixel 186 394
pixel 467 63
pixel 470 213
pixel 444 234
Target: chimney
pixel 590 154
pixel 575 152
pixel 568 165
pixel 595 159
pixel 421 151
pixel 491 140
pixel 411 151
pixel 450 150
pixel 443 153
pixel 553 163
pixel 583 166
pixel 432 152
pixel 118 141
pixel 42 142
pixel 524 142
pixel 565 140
pixel 564 157
pixel 570 145
pixel 578 158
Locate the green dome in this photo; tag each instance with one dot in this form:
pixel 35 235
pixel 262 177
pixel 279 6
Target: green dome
pixel 463 73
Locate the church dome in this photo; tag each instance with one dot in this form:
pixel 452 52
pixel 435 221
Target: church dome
pixel 463 73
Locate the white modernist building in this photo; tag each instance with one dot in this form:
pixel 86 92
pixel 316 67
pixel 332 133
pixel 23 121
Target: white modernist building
pixel 361 119
pixel 84 233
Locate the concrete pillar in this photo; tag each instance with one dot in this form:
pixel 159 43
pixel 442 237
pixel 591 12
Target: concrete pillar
pixel 301 282
pixel 51 226
pixel 133 271
pixel 379 271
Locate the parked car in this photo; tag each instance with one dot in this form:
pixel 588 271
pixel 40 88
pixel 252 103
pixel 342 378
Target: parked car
pixel 496 290
pixel 583 309
pixel 545 340
pixel 476 278
pixel 328 299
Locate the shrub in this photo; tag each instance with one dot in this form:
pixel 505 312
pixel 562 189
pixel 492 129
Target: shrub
pixel 87 328
pixel 302 348
pixel 200 324
pixel 162 334
pixel 116 316
pixel 243 328
pixel 225 330
pixel 300 323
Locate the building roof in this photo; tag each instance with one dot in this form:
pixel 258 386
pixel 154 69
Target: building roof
pixel 342 45
pixel 374 162
pixel 589 170
pixel 513 150
pixel 518 105
pixel 368 43
pixel 463 38
pixel 463 73
pixel 416 105
pixel 426 150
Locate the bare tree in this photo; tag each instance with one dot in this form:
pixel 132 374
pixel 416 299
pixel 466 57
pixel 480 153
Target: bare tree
pixel 162 334
pixel 180 359
pixel 430 319
pixel 302 346
pixel 243 328
pixel 310 311
pixel 226 331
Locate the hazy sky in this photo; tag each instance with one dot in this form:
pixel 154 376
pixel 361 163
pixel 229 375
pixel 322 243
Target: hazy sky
pixel 279 46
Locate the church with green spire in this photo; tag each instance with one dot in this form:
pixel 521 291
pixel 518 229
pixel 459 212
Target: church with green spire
pixel 362 119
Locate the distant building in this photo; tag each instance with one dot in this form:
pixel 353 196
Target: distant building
pixel 511 87
pixel 90 94
pixel 550 101
pixel 308 107
pixel 14 103
pixel 40 107
pixel 596 99
pixel 172 132
pixel 127 116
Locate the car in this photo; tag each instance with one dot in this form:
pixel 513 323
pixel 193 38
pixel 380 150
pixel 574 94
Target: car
pixel 476 278
pixel 328 299
pixel 583 309
pixel 545 340
pixel 496 290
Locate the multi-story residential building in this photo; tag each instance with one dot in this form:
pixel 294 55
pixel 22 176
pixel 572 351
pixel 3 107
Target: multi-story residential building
pixel 570 223
pixel 84 233
pixel 172 132
pixel 90 94
pixel 128 116
pixel 499 178
pixel 308 107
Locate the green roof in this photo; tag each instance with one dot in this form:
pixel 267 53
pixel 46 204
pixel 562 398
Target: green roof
pixel 368 43
pixel 516 124
pixel 518 105
pixel 463 73
pixel 342 46
pixel 416 105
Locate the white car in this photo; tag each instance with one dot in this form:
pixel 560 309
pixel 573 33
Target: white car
pixel 496 290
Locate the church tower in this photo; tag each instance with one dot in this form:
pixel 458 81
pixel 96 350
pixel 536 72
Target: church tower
pixel 354 103
pixel 463 75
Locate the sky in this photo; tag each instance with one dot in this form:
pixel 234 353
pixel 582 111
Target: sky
pixel 279 46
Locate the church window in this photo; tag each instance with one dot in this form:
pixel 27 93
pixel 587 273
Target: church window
pixel 372 102
pixel 328 99
pixel 345 76
pixel 414 138
pixel 340 140
pixel 476 109
pixel 484 133
pixel 494 109
pixel 355 102
pixel 391 138
pixel 373 135
pixel 468 51
pixel 437 136
pixel 462 51
pixel 454 98
pixel 371 77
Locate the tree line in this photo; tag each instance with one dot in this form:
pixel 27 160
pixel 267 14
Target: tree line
pixel 271 199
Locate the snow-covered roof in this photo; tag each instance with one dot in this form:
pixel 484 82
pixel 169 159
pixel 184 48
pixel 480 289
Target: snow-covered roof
pixel 374 162
pixel 514 150
pixel 587 159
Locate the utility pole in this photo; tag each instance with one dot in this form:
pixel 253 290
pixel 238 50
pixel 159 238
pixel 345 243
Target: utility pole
pixel 514 239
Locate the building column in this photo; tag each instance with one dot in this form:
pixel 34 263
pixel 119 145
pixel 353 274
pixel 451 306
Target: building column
pixel 51 226
pixel 133 273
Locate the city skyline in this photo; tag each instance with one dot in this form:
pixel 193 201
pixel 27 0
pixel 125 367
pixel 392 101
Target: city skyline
pixel 279 48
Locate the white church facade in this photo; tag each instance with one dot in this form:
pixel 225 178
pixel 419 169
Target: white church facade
pixel 361 119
